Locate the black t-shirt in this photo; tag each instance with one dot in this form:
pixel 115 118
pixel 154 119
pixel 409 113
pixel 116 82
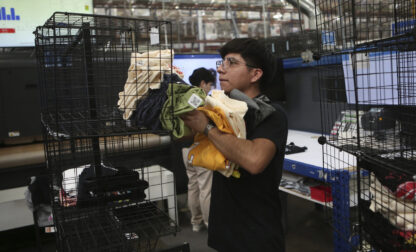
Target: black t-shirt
pixel 245 213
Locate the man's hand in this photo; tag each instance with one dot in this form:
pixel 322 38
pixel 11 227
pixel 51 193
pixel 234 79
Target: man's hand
pixel 195 120
pixel 251 155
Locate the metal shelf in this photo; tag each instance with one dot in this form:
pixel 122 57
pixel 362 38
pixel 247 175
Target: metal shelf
pixel 120 228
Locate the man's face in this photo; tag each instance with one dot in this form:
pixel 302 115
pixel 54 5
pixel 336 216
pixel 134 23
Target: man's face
pixel 234 73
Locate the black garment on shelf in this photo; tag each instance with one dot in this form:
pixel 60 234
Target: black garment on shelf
pixel 291 148
pixel 39 190
pixel 380 233
pixel 148 109
pixel 387 176
pixel 245 213
pixel 114 184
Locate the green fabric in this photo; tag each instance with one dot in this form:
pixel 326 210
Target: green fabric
pixel 178 96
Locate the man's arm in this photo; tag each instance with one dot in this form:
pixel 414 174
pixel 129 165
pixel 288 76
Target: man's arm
pixel 252 155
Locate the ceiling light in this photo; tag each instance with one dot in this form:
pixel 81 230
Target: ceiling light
pixel 278 15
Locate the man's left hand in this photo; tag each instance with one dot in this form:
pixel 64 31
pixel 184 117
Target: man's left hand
pixel 196 120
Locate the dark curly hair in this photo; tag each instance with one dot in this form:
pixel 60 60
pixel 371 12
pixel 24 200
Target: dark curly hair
pixel 202 74
pixel 255 54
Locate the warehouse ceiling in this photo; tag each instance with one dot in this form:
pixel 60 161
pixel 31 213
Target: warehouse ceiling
pixel 237 5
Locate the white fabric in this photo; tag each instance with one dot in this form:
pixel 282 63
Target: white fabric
pixel 401 213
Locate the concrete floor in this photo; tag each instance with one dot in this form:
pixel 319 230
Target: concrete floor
pixel 307 231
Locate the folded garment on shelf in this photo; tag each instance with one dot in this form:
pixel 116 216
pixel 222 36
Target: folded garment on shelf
pixel 81 187
pixel 112 185
pixel 148 110
pixel 297 186
pixel 145 72
pixel 291 148
pixel 401 213
pixel 381 234
pixel 389 177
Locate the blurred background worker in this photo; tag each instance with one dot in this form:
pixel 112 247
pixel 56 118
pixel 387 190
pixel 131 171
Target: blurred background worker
pixel 200 179
pixel 203 78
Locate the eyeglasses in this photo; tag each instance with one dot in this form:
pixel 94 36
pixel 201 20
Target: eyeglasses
pixel 229 62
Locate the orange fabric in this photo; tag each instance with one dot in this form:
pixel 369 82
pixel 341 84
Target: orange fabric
pixel 203 153
pixel 218 117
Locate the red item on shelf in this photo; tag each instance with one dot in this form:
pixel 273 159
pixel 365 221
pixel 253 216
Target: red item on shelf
pixel 407 191
pixel 7 30
pixel 321 193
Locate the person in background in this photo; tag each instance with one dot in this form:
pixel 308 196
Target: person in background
pixel 245 212
pixel 200 179
pixel 203 78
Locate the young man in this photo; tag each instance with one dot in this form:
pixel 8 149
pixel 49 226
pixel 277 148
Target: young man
pixel 245 213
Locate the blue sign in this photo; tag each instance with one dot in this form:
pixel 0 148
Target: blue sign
pixel 402 27
pixel 328 38
pixel 10 17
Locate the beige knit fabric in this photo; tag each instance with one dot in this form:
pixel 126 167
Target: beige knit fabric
pixel 145 72
pixel 233 109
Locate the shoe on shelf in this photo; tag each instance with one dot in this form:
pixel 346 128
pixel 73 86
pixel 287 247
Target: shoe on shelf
pixel 197 227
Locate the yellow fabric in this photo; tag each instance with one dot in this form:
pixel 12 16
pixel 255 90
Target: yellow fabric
pixel 233 109
pixel 203 152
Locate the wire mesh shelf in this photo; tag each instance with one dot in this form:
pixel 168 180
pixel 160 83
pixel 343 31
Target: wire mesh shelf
pixel 387 207
pixel 95 69
pixel 127 151
pixel 130 227
pixel 367 81
pixel 373 112
pixel 103 85
pixel 346 25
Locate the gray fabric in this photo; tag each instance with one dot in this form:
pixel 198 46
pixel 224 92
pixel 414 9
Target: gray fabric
pixel 238 95
pixel 259 108
pixel 265 108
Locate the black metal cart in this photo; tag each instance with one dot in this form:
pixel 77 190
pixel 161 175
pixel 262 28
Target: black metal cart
pixel 112 183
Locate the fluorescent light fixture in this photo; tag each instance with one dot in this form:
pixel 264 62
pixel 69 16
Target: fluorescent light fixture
pixel 278 15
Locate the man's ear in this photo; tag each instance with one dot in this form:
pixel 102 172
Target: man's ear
pixel 256 74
